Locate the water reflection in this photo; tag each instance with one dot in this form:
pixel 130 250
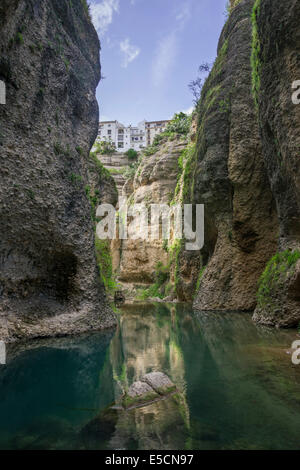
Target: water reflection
pixel 237 386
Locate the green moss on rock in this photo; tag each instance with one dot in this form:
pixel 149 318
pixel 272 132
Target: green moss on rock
pixel 256 53
pixel 274 277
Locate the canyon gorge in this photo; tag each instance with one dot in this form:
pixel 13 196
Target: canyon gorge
pixel 238 154
pixel 134 343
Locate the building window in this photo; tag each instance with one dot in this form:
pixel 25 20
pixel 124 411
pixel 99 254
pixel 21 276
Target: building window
pixel 120 145
pixel 109 132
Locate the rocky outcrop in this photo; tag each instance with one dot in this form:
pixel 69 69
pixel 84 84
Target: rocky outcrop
pixel 154 183
pixel 117 164
pixel 276 66
pixel 230 177
pixel 48 275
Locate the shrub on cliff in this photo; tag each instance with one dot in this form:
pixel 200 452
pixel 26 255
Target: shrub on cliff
pixel 104 261
pixel 179 125
pixel 105 148
pixel 131 154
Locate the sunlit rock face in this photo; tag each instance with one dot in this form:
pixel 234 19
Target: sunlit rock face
pixel 154 183
pixel 231 180
pixel 48 274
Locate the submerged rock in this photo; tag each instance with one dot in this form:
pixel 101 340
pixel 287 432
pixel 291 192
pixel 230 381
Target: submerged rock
pixel 139 392
pixel 159 423
pixel 159 382
pixel 152 386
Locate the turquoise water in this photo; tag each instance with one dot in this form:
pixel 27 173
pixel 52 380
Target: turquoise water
pixel 238 387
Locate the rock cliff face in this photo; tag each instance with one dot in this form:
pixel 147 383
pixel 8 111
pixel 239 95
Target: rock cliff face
pixel 48 275
pixel 116 164
pixel 154 183
pixel 230 177
pixel 276 66
pixel 247 170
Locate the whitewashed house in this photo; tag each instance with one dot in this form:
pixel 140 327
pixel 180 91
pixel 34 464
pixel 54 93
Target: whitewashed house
pixel 129 137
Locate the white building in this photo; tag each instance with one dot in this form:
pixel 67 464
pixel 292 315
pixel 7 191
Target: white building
pixel 129 137
pixel 123 137
pixel 154 128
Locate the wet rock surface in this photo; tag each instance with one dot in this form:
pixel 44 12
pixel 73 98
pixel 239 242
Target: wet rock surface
pixel 151 387
pixel 159 382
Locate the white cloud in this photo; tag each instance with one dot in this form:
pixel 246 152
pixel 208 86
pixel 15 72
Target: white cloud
pixel 167 47
pixel 189 110
pixel 164 59
pixel 183 14
pixel 102 14
pixel 129 51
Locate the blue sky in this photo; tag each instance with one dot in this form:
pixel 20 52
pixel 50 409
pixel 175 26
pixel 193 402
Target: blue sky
pixel 151 50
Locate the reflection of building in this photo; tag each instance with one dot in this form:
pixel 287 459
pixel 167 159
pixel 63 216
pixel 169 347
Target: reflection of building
pixel 125 138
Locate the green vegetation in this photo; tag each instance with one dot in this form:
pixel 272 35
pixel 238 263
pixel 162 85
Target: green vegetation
pixel 131 154
pixel 104 148
pixel 229 7
pixel 104 261
pixel 102 247
pixel 162 276
pixel 67 63
pixel 131 170
pixel 138 400
pixel 30 193
pixel 93 195
pixel 19 38
pixel 86 7
pixel 75 178
pixel 274 276
pixel 256 53
pixel 60 150
pixel 201 272
pixel 79 150
pixel 179 126
pixel 175 251
pixel 117 171
pixel 185 178
pixel 101 170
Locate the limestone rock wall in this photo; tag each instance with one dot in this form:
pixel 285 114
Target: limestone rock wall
pixel 154 183
pixel 278 65
pixel 49 282
pixel 230 179
pixel 116 164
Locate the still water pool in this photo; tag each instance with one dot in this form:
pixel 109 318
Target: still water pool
pixel 238 386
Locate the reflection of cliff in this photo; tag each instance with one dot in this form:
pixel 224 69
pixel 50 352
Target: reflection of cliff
pixel 146 341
